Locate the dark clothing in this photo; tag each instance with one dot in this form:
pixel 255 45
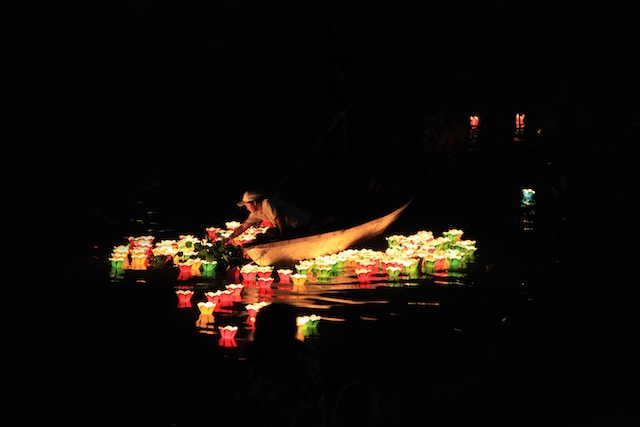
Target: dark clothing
pixel 284 386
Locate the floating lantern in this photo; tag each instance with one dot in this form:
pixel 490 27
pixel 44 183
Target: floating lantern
pixel 394 240
pixel 214 297
pixel 116 267
pixel 307 326
pixel 264 285
pixel 232 225
pixel 299 281
pixel 441 262
pixel 214 233
pixel 226 298
pixel 209 268
pixel 304 266
pixel 367 264
pixel 185 271
pixel 453 235
pixel 284 275
pixel 139 260
pixel 233 274
pixel 264 272
pixel 324 273
pixel 249 273
pixel 184 298
pixel 227 336
pixel 196 265
pixel 528 197
pixel 363 274
pixel 393 271
pixel 206 307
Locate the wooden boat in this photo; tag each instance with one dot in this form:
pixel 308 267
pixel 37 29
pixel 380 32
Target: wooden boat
pixel 290 252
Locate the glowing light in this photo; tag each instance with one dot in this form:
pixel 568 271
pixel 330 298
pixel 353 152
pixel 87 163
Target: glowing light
pixel 299 281
pixel 284 275
pixel 184 298
pixel 227 336
pixel 206 307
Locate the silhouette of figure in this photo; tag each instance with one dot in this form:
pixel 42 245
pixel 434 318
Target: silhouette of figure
pixel 284 386
pixel 283 219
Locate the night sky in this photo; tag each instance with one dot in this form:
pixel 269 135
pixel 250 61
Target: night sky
pixel 137 75
pixel 104 96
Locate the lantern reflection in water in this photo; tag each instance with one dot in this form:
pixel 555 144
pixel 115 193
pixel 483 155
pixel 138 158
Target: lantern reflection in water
pixel 236 289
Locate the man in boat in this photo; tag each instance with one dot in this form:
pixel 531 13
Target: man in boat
pixel 284 219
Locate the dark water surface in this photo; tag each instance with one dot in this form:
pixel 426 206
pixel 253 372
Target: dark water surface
pixel 154 119
pixel 511 339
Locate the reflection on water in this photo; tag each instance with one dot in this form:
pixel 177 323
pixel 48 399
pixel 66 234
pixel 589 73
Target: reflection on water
pixel 434 317
pixel 224 310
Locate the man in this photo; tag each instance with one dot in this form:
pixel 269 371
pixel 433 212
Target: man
pixel 284 219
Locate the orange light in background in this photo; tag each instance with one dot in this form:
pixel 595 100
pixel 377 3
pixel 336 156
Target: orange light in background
pixel 519 127
pixel 474 123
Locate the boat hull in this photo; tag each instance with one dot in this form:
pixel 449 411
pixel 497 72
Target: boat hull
pixel 290 252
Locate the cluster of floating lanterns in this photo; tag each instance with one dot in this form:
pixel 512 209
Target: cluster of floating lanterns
pixel 406 256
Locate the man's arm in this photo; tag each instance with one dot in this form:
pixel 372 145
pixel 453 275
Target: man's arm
pixel 238 231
